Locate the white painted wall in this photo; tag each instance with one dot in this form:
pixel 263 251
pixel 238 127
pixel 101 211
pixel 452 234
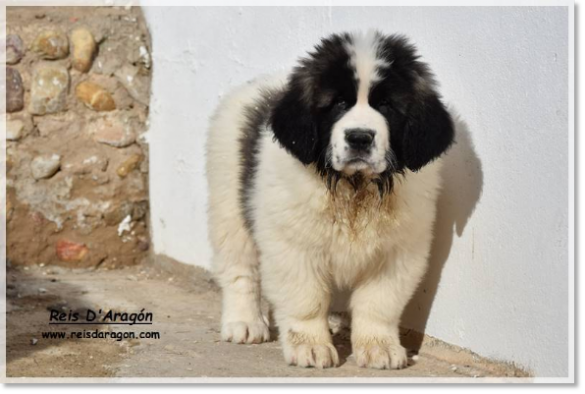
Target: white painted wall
pixel 499 273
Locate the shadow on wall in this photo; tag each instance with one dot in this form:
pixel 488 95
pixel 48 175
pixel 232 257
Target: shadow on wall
pixel 462 187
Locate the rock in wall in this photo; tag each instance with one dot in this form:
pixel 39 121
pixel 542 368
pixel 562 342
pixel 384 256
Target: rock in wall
pixel 78 90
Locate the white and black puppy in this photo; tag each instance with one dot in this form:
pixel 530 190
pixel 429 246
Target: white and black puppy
pixel 327 179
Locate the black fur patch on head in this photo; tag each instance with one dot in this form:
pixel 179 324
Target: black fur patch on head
pixel 421 129
pixel 324 87
pixel 319 83
pixel 257 116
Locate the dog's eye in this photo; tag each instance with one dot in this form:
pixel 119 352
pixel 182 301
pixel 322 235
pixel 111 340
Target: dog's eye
pixel 340 102
pixel 385 105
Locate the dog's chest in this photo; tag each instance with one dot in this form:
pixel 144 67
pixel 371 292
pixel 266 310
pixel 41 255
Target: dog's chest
pixel 361 224
pixel 349 227
pixel 347 231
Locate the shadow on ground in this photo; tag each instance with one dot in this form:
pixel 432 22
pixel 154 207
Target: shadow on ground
pixel 31 294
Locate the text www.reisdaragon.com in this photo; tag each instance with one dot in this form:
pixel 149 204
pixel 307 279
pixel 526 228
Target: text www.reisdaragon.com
pixel 100 334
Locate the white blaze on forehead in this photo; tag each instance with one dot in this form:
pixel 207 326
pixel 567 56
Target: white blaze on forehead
pixel 363 53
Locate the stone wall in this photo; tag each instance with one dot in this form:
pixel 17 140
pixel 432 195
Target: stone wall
pixel 78 82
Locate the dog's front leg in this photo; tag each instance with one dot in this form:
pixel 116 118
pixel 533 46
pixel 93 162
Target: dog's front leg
pixel 299 291
pixel 376 307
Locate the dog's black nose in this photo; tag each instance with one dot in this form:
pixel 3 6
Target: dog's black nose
pixel 359 139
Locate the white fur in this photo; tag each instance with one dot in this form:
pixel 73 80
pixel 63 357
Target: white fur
pixel 307 241
pixel 363 52
pixel 366 64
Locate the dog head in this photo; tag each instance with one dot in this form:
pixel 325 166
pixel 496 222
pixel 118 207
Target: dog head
pixel 362 105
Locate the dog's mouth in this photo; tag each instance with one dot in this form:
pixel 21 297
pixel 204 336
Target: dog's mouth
pixel 361 171
pixel 360 164
pixel 357 160
pixel 365 164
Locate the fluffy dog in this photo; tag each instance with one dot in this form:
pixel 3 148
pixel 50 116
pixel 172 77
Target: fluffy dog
pixel 323 180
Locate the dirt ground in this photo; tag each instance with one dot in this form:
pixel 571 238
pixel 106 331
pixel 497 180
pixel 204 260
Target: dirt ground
pixel 185 304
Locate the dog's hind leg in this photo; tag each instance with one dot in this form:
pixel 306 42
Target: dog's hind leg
pixel 237 273
pixel 235 261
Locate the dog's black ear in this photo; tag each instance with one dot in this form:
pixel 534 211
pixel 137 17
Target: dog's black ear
pixel 428 132
pixel 294 126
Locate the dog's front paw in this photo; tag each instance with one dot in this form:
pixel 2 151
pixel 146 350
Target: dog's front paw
pixel 380 354
pixel 255 331
pixel 318 355
pixel 310 348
